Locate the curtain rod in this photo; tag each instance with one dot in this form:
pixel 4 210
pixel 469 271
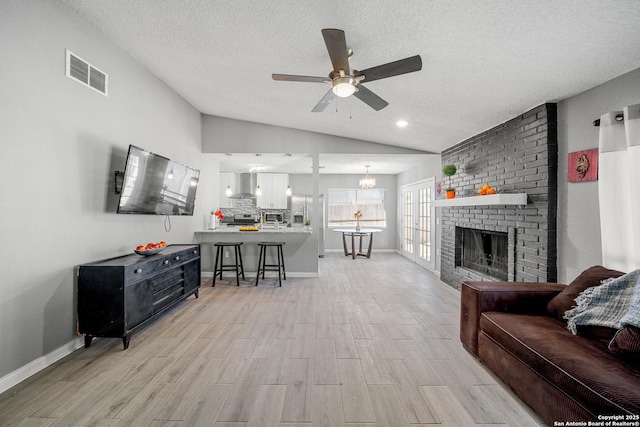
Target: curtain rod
pixel 619 118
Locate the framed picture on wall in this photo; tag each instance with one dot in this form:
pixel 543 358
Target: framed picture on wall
pixel 583 166
pixel 439 190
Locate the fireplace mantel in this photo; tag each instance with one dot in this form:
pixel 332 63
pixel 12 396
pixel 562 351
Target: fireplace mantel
pixel 490 199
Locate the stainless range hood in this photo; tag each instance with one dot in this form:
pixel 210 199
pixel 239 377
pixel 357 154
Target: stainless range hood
pixel 247 188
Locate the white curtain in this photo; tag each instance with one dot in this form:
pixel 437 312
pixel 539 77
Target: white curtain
pixel 632 132
pixel 619 188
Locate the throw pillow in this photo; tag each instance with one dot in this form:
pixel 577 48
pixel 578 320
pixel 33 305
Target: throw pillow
pixel 626 342
pixel 590 277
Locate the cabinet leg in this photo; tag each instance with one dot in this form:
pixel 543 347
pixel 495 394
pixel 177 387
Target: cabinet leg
pixel 196 293
pixel 87 341
pixel 125 341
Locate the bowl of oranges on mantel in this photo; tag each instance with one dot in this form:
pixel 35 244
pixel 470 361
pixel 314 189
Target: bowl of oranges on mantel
pixel 150 248
pixel 486 190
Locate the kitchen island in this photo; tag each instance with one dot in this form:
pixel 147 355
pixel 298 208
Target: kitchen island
pixel 300 248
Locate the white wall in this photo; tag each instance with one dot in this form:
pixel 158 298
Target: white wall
pixel 430 168
pixel 223 135
pixel 60 144
pixel 579 243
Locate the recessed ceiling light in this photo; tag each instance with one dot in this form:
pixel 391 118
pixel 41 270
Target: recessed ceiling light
pixel 402 123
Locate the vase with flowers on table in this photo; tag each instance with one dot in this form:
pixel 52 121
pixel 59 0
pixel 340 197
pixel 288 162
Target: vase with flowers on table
pixel 357 215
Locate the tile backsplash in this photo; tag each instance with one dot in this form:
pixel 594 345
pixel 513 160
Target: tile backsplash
pixel 248 206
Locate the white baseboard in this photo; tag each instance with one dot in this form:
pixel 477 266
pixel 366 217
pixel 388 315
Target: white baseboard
pixel 39 364
pixel 302 274
pixel 396 251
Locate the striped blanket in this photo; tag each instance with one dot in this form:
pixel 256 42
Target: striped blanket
pixel 613 304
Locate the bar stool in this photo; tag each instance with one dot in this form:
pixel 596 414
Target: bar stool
pixel 263 266
pixel 218 268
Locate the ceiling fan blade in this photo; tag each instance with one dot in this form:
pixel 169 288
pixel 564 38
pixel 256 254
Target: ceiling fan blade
pixel 294 78
pixel 370 98
pixel 337 48
pixel 324 102
pixel 395 68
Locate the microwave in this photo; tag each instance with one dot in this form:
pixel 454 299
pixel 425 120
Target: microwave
pixel 274 217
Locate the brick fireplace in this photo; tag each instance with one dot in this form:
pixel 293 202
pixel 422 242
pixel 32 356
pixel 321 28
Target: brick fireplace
pixel 490 253
pixel 518 156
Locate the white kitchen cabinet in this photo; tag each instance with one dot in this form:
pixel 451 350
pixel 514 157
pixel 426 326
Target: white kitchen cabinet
pixel 227 179
pixel 273 186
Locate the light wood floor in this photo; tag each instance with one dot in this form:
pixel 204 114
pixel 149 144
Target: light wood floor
pixel 372 342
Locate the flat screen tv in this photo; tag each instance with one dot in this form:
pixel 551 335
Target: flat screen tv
pixel 155 185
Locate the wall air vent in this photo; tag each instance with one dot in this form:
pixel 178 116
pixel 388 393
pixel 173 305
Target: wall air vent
pixel 85 73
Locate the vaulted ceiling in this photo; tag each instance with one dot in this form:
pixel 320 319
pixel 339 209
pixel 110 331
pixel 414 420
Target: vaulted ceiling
pixel 484 61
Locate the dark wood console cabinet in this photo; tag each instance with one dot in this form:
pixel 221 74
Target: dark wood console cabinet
pixel 119 295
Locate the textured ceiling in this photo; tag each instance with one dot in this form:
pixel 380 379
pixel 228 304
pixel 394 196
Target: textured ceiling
pixel 484 62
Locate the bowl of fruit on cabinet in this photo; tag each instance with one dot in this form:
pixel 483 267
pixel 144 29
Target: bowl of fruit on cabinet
pixel 150 248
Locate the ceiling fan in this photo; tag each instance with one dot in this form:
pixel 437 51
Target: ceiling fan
pixel 346 82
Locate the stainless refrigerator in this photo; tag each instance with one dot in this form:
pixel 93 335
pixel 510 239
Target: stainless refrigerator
pixel 301 209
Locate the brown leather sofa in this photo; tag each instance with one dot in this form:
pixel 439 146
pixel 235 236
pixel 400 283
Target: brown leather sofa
pixel 561 376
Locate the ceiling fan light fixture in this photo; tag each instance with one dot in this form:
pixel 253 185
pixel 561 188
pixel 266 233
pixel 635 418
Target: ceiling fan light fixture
pixel 345 80
pixel 344 86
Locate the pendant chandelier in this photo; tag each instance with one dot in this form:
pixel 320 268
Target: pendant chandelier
pixel 366 181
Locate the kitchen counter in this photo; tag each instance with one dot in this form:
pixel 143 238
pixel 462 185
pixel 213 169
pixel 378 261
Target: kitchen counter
pixel 236 230
pixel 300 248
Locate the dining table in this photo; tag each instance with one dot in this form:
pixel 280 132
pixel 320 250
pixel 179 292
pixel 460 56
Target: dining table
pixel 357 233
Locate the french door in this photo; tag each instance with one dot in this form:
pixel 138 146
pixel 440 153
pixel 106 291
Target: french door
pixel 417 223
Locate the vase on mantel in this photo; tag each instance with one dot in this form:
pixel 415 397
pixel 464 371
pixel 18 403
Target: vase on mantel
pixel 357 224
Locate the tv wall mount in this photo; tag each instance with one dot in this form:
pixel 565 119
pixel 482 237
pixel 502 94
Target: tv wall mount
pixel 118 179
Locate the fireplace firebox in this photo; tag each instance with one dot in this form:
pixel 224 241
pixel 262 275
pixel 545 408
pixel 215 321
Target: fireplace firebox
pixel 485 252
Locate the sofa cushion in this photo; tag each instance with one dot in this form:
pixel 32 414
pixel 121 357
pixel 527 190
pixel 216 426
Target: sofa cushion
pixel 600 333
pixel 592 276
pixel 582 368
pixel 626 343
